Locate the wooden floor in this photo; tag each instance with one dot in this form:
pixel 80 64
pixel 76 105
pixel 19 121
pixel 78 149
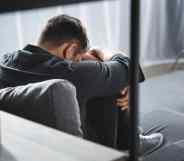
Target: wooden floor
pixel 23 140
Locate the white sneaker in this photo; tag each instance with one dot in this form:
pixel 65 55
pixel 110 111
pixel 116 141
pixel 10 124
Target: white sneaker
pixel 150 143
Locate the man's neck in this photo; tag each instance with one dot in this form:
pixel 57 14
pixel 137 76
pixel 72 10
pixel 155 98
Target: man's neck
pixel 51 50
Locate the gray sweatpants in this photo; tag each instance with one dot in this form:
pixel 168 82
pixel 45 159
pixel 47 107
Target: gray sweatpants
pixel 66 107
pixel 52 103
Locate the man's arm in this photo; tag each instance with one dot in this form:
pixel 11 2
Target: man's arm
pixel 99 79
pixel 123 100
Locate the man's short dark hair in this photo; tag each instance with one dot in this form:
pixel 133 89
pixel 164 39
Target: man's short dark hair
pixel 63 28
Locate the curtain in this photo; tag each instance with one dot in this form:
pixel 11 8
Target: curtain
pixel 107 24
pixel 162 23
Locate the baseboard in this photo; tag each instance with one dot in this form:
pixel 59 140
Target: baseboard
pixel 161 67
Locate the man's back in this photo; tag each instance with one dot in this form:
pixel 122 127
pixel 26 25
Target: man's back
pixel 91 78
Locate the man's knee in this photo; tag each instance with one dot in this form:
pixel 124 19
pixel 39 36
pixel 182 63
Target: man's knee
pixel 67 88
pixel 66 106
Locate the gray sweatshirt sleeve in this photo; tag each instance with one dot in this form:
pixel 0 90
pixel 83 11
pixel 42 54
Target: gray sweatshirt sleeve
pixel 100 79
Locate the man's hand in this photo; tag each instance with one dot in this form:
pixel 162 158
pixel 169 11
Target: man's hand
pixel 94 54
pixel 98 55
pixel 122 102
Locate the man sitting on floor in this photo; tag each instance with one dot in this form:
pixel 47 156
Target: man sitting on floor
pixel 58 54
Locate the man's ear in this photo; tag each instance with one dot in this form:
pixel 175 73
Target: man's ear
pixel 71 50
pixel 62 50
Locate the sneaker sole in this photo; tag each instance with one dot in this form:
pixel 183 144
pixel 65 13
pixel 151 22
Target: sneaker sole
pixel 155 148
